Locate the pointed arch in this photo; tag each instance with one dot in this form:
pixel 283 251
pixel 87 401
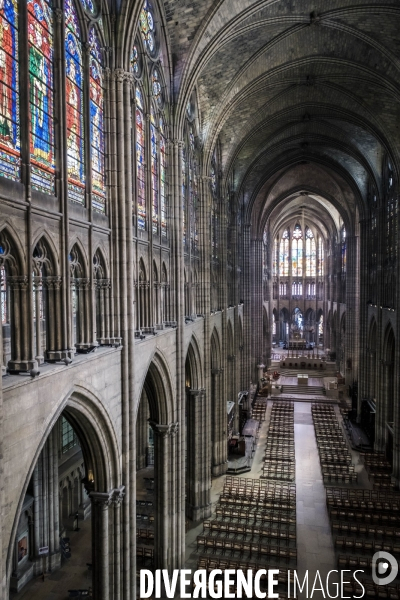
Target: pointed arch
pixel 100 448
pixel 215 350
pixel 194 368
pixel 158 387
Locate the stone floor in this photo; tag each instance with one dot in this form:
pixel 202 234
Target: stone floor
pixel 73 575
pixel 314 540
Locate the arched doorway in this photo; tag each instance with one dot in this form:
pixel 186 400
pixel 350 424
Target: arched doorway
pixel 161 525
pixel 74 476
pixel 198 438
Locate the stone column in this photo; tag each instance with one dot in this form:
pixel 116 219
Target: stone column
pixel 219 425
pixel 167 542
pixel 198 502
pixel 21 348
pixel 142 432
pixel 101 502
pixel 118 498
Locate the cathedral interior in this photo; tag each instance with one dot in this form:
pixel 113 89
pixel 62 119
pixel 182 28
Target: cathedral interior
pixel 199 269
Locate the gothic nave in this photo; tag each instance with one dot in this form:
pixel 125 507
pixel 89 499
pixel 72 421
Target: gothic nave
pixel 199 284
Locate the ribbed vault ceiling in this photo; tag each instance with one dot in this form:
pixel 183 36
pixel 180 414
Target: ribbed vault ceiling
pixel 285 82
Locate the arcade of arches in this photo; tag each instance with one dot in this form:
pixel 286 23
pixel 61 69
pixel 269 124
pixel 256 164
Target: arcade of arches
pixel 184 188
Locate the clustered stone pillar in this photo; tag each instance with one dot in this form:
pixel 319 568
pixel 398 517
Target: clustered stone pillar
pixel 106 542
pixel 46 521
pixel 22 347
pixel 219 425
pixel 198 457
pixel 167 547
pixel 142 432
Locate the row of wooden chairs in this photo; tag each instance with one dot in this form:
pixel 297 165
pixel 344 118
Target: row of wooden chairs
pixel 364 516
pixel 366 546
pixel 145 518
pixel 354 528
pixel 280 502
pixel 223 546
pixel 242 482
pixel 145 536
pixel 340 477
pixel 361 494
pixel 334 454
pixel 284 531
pixel 279 457
pixel 255 515
pixel 370 505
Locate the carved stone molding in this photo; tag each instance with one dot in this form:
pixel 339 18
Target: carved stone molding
pixel 18 282
pixel 163 431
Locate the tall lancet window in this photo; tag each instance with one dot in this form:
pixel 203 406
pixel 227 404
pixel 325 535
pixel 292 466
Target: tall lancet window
pixel 41 109
pixel 184 192
pixel 154 169
pixel 75 107
pixel 140 162
pixel 9 94
pixel 284 254
pixel 163 179
pixel 343 248
pixel 311 254
pixel 321 257
pixel 297 251
pixel 97 123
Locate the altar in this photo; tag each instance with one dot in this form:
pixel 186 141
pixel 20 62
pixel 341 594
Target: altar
pixel 302 379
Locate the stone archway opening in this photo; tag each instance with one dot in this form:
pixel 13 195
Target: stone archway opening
pixel 68 510
pixel 160 508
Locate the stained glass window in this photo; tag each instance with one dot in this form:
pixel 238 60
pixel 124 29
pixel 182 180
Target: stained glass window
pixel 147 27
pixel 75 110
pixel 184 188
pixel 163 179
pixel 311 253
pixel 297 252
pixel 68 436
pixel 284 254
pixel 135 64
pixel 320 258
pixel 193 194
pixel 275 259
pixel 140 162
pixel 40 39
pixel 156 88
pixel 343 248
pixel 9 96
pixel 97 123
pixel 154 169
pixel 89 6
pixel 3 295
pixel 213 180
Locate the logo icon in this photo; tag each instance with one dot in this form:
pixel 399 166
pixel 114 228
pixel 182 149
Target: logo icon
pixel 384 568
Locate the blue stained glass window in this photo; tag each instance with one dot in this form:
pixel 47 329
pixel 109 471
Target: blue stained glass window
pixel 41 51
pixel 154 169
pixel 140 162
pixel 9 96
pixel 75 107
pixel 97 123
pixel 163 179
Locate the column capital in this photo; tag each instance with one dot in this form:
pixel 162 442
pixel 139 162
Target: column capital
pixel 118 495
pixel 102 499
pixel 201 392
pixel 164 430
pixel 18 281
